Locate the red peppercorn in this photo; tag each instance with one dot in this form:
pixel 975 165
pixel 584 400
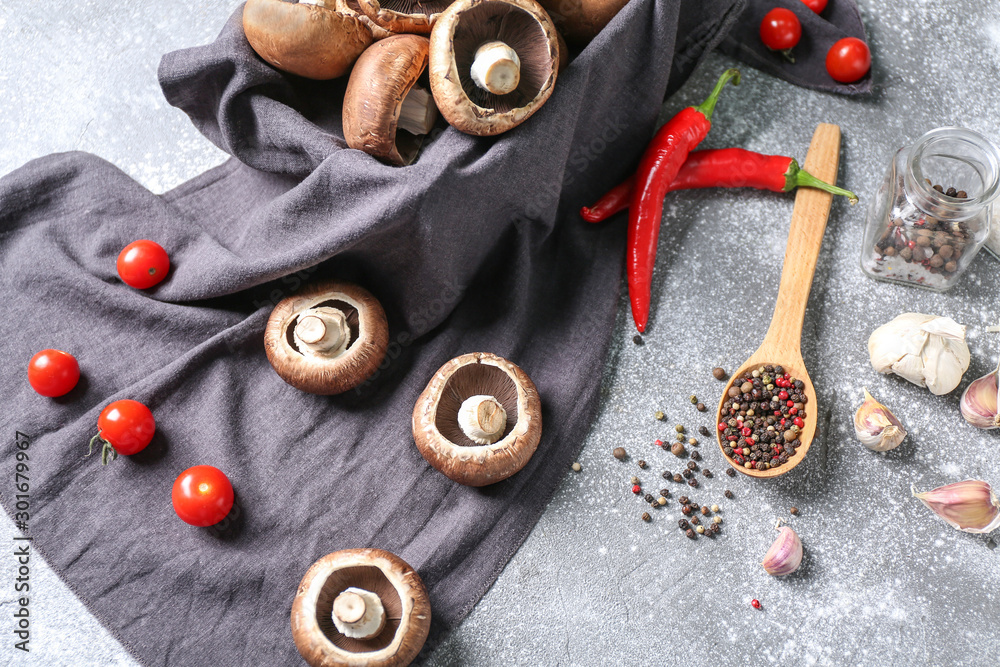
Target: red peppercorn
pixel 755 604
pixel 777 413
pixel 732 438
pixel 722 426
pixel 659 443
pixel 747 431
pixel 911 245
pixel 636 489
pixel 798 422
pixel 793 411
pixel 782 421
pixel 786 376
pixel 783 395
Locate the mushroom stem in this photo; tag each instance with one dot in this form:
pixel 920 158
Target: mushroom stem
pixel 322 330
pixel 358 613
pixel 482 419
pixel 418 112
pixel 496 68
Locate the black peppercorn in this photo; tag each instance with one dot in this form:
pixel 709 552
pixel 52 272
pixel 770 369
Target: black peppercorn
pixel 706 472
pixel 704 431
pixel 642 464
pixel 646 517
pixel 683 500
pixel 715 528
pixel 690 533
pixel 678 478
pixel 637 339
pixel 695 520
pixel 705 511
pixel 695 455
pixel 686 510
pixel 665 493
pixel 692 465
pixel 693 482
pixel 794 510
pixel 729 494
pixel 683 524
pixel 686 473
pixel 648 497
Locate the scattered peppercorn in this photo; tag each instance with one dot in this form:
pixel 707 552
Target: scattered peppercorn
pixel 729 494
pixel 730 472
pixel 679 428
pixel 693 482
pixel 693 441
pixel 661 500
pixel 677 449
pixel 642 464
pixel 715 528
pixel 683 524
pixel 659 415
pixel 619 453
pixel 755 604
pixel 694 399
pixel 700 407
pixel 665 474
pixel 686 473
pixel 719 373
pixel 700 530
pixel 685 510
pixel 705 511
pixel 696 455
pixel 664 492
pixel 679 437
pixel 646 517
pixel 703 430
pixel 707 473
pixel 794 510
pixel 636 489
pixel 715 508
pixel 683 500
pixel 692 465
pixel 990 544
pixel 637 339
pixel 689 533
pixel 634 479
pixel 716 519
pixel 659 443
pixel 576 466
pixel 677 477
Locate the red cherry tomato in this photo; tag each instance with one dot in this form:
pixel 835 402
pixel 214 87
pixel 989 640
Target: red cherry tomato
pixel 848 60
pixel 780 30
pixel 53 373
pixel 125 427
pixel 202 496
pixel 142 264
pixel 815 5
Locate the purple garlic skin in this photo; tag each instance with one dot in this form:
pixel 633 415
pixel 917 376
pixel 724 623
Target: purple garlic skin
pixel 785 554
pixel 979 402
pixel 970 506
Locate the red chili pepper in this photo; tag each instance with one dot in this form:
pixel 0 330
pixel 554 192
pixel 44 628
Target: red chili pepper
pixel 657 169
pixel 720 168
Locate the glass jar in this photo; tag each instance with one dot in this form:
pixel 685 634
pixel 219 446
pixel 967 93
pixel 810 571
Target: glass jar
pixel 933 212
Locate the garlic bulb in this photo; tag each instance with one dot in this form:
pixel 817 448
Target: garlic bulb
pixel 970 505
pixel 876 427
pixel 785 554
pixel 979 402
pixel 927 350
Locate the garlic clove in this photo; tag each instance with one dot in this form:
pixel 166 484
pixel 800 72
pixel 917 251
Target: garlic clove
pixel 979 402
pixel 785 554
pixel 927 350
pixel 970 505
pixel 876 427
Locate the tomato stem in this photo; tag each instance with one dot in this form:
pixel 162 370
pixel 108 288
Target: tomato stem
pixel 108 452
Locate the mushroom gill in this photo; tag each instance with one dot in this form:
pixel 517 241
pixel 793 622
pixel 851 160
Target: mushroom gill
pixel 488 24
pixel 368 578
pixel 469 381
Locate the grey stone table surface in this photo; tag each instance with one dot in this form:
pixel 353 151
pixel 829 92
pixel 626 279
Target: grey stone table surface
pixel 884 582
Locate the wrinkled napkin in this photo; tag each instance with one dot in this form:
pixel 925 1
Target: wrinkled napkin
pixel 475 247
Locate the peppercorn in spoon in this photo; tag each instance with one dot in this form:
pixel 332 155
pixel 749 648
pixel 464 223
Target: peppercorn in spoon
pixel 781 443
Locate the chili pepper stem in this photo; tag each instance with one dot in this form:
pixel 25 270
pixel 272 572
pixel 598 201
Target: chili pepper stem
pixel 708 106
pixel 796 176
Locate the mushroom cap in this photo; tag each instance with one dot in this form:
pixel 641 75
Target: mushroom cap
pixel 404 16
pixel 381 78
pixel 313 41
pixel 365 351
pixel 407 610
pixel 442 442
pixel 460 30
pixel 581 20
pixel 353 8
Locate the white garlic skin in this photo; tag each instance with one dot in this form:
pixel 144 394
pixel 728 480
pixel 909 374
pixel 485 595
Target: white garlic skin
pixel 876 427
pixel 970 505
pixel 979 402
pixel 927 350
pixel 785 554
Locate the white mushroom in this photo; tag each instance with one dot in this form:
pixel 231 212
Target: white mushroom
pixel 358 613
pixel 496 68
pixel 482 419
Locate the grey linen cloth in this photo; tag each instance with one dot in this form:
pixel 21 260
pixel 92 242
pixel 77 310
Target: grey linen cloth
pixel 475 247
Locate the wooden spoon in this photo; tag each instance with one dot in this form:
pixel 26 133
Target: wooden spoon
pixel 781 345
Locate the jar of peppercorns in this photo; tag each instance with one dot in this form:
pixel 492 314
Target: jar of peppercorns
pixel 934 209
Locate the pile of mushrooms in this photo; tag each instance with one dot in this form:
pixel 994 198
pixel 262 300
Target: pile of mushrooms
pixel 360 608
pixel 328 338
pixel 479 419
pixel 489 64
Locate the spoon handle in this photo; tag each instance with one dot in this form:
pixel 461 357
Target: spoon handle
pixel 805 236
